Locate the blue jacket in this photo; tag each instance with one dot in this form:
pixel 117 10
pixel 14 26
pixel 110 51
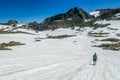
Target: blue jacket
pixel 95 57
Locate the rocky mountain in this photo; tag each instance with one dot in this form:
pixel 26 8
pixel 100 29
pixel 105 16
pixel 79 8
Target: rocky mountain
pixel 73 17
pixel 11 23
pixel 76 17
pixel 71 14
pixel 34 25
pixel 111 14
pixel 103 11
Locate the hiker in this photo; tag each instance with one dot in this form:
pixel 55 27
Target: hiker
pixel 94 59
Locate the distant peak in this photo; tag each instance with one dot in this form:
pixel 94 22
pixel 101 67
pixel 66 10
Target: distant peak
pixel 75 9
pixel 12 22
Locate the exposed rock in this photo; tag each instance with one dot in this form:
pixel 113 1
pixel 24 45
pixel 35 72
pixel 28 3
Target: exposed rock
pixel 11 23
pixel 34 25
pixel 69 15
pixel 110 15
pixel 102 11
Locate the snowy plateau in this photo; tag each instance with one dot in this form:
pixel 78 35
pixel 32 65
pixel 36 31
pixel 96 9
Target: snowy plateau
pixel 60 59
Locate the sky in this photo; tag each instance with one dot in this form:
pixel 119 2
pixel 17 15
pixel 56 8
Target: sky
pixel 37 10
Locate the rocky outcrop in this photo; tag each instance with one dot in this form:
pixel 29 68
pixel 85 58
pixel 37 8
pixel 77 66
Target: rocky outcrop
pixel 73 13
pixel 110 14
pixel 103 11
pixel 34 25
pixel 12 22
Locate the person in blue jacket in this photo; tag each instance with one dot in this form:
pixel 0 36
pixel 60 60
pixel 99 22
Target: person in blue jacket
pixel 94 58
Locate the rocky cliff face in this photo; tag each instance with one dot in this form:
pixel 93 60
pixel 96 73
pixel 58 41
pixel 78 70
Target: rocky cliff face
pixel 103 11
pixel 73 13
pixel 110 14
pixel 79 12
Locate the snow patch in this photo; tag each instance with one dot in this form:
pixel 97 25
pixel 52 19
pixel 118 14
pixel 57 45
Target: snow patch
pixel 95 13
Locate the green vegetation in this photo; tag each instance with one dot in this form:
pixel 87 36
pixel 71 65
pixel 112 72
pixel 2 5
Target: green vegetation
pixel 60 36
pixel 3 46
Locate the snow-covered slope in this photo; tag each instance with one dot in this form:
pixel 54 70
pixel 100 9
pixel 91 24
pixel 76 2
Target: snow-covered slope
pixel 17 29
pixel 60 59
pixel 117 15
pixel 95 13
pixel 8 26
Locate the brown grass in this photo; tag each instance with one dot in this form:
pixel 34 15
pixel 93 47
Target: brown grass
pixel 4 46
pixel 60 36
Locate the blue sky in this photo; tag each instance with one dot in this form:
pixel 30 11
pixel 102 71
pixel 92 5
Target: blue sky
pixel 37 10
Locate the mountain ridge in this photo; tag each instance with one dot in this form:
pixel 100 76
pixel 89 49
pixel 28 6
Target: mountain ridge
pixel 71 13
pixel 73 17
